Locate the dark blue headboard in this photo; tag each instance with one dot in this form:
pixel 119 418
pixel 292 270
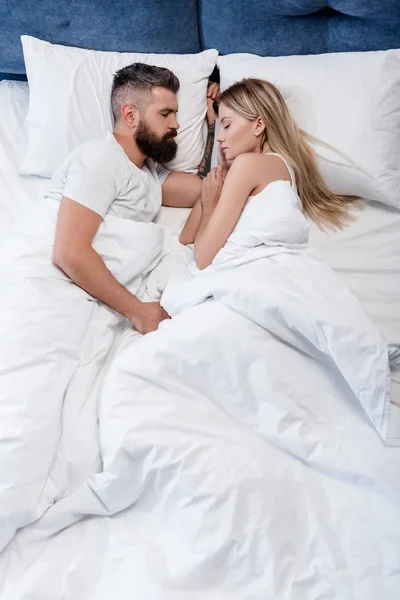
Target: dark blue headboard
pixel 285 27
pixel 264 27
pixel 161 26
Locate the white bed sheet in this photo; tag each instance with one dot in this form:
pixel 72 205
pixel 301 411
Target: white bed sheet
pixel 95 558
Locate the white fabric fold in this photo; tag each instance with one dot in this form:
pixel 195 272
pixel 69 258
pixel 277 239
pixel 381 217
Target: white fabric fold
pixel 44 325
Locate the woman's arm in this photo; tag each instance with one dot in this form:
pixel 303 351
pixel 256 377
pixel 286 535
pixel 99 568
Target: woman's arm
pixel 222 206
pixel 221 209
pixel 198 214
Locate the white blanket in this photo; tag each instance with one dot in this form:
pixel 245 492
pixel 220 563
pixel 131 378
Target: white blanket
pixel 238 453
pixel 45 323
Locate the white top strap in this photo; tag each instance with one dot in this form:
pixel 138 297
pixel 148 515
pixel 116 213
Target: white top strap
pixel 288 166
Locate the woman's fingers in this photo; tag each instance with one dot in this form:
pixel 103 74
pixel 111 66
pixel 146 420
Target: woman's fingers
pixel 208 179
pixel 220 176
pixel 212 174
pixel 212 179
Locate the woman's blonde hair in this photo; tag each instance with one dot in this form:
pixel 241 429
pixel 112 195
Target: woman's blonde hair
pixel 253 98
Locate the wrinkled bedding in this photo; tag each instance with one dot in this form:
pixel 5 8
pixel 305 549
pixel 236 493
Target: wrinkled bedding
pixel 238 452
pixel 45 322
pixel 245 429
pixel 237 458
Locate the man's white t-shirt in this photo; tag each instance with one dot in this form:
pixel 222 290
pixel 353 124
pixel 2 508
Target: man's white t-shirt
pixel 100 176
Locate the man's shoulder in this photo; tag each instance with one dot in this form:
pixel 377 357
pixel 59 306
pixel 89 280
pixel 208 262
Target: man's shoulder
pixel 93 160
pixel 96 158
pixel 100 148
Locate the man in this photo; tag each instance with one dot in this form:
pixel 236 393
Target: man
pixel 120 175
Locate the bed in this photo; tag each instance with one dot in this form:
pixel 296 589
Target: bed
pixel 160 489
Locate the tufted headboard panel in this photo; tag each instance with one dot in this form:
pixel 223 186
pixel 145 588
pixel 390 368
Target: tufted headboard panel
pixel 264 27
pixel 271 28
pixel 161 26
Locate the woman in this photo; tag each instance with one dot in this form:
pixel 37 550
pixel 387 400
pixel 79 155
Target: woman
pixel 260 144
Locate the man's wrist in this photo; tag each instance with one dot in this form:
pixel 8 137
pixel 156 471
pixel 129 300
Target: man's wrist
pixel 205 164
pixel 135 312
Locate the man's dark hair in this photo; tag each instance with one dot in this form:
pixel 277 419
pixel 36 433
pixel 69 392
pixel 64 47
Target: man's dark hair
pixel 137 81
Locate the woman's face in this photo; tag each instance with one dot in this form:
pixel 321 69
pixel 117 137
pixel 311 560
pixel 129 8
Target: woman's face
pixel 237 134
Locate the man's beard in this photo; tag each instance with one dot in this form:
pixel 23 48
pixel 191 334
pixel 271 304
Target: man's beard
pixel 162 150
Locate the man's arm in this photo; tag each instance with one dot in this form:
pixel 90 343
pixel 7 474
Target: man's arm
pixel 189 231
pixel 205 164
pixel 74 254
pixel 182 190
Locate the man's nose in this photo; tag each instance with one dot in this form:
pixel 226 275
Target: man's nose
pixel 175 124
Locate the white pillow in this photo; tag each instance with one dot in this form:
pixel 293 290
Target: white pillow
pixel 70 101
pixel 350 101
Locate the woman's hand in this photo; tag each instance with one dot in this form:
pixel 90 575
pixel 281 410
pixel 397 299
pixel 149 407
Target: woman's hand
pixel 213 92
pixel 211 189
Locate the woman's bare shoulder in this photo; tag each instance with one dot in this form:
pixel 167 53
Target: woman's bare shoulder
pixel 269 168
pixel 259 169
pixel 272 163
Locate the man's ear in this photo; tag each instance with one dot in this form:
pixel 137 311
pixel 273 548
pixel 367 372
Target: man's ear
pixel 259 127
pixel 130 115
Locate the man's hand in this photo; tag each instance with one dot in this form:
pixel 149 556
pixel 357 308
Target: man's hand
pixel 74 254
pixel 213 92
pixel 148 317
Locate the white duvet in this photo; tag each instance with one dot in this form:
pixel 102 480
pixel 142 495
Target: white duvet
pixel 239 442
pixel 235 453
pixel 45 322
